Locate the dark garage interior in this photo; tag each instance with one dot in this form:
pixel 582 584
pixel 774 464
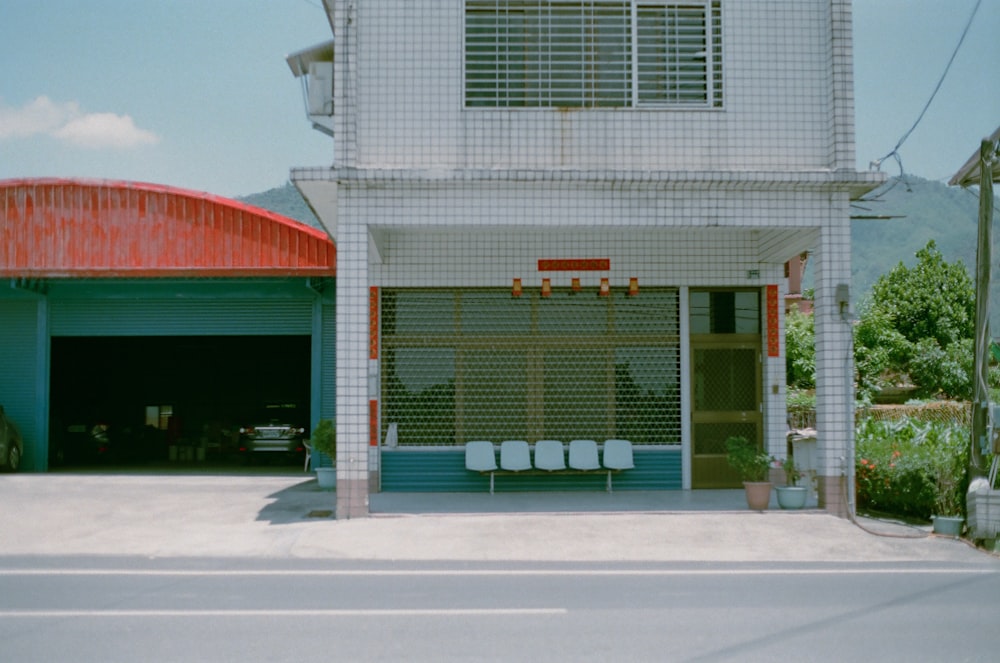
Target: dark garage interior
pixel 169 400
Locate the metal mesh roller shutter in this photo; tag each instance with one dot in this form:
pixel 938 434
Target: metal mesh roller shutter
pixel 481 364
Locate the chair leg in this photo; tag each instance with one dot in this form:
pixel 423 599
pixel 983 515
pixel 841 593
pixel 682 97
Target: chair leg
pixel 609 481
pixel 491 483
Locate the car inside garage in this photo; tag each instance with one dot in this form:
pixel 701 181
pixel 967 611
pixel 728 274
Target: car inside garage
pixel 174 400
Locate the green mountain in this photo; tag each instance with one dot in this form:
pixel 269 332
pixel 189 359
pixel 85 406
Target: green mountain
pixel 925 210
pixel 285 200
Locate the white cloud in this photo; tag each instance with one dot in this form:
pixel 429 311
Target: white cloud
pixel 38 116
pixel 100 130
pixel 65 121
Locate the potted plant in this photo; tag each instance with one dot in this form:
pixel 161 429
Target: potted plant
pixel 947 516
pixel 324 440
pixel 753 466
pixel 791 495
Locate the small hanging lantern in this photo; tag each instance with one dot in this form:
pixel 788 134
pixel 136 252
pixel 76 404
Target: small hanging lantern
pixel 515 290
pixel 546 287
pixel 605 287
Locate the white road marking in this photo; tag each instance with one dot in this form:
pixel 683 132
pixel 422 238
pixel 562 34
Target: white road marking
pixel 346 612
pixel 313 573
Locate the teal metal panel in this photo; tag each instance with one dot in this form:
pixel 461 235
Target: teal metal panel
pixel 186 289
pixel 23 375
pixel 324 381
pixel 655 469
pixel 429 471
pixel 443 470
pixel 180 317
pixel 328 379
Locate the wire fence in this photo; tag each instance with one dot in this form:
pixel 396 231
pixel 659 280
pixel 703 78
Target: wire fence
pixel 944 412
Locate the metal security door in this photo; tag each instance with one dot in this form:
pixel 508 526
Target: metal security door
pixel 725 402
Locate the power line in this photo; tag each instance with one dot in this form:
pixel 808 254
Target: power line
pixel 894 153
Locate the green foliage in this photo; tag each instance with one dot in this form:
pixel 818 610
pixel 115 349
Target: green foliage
pixel 934 299
pixel 879 350
pixel 324 438
pixel 792 472
pixel 800 400
pixel 800 349
pixel 751 463
pixel 918 322
pixel 925 209
pixel 939 370
pixel 911 468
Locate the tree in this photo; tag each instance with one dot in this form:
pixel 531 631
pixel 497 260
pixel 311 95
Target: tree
pixel 880 351
pixel 934 299
pixel 918 322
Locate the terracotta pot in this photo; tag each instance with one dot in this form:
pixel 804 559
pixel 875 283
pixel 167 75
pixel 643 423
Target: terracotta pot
pixel 758 494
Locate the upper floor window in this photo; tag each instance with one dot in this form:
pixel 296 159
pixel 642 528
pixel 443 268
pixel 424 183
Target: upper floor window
pixel 624 53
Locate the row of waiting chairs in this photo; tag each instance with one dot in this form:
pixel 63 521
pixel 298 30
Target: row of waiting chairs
pixel 550 456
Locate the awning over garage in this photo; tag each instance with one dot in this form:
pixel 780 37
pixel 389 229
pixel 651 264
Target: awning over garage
pixel 53 228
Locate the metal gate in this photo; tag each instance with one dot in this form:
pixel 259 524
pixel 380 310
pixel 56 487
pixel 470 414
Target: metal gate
pixel 725 381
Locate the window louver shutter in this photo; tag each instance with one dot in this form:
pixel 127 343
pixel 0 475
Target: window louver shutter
pixel 549 54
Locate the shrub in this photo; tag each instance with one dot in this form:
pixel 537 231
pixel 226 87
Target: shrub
pixel 751 463
pixel 946 371
pixel 800 349
pixel 324 438
pixel 879 351
pixel 909 468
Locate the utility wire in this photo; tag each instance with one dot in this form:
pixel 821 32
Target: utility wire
pixel 894 153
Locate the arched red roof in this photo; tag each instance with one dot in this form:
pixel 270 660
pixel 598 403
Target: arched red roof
pixel 98 228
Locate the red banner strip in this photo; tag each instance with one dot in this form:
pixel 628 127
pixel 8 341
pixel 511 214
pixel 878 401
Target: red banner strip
pixel 773 338
pixel 373 423
pixel 574 265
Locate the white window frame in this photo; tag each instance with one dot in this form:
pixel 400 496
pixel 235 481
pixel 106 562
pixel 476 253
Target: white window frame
pixel 708 77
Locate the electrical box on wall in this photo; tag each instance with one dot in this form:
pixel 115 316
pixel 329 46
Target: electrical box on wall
pixel 842 295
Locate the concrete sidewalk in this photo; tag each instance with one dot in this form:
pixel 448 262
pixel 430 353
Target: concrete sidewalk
pixel 286 516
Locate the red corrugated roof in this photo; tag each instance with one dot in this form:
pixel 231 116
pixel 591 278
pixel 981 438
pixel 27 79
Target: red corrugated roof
pixel 98 228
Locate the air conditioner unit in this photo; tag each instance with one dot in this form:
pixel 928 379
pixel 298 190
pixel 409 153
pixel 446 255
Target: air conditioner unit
pixel 320 88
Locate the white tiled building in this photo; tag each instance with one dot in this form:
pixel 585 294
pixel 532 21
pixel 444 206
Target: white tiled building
pixel 495 162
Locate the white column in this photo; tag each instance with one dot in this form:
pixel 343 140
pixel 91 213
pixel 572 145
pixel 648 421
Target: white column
pixel 686 408
pixel 352 370
pixel 834 364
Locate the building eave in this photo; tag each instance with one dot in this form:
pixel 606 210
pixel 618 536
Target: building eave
pixel 852 182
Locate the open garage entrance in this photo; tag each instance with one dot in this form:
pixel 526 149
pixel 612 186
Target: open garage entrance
pixel 171 400
pixel 148 323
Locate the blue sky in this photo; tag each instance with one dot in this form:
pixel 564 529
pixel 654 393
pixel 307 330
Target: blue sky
pixel 196 93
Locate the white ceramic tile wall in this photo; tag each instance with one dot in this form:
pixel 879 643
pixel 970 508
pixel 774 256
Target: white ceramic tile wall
pixel 352 362
pixel 834 357
pixel 473 198
pixel 400 98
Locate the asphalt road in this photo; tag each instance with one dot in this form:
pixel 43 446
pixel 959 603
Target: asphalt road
pixel 116 567
pixel 131 609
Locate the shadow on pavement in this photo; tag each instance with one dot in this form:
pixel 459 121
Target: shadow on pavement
pixel 296 503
